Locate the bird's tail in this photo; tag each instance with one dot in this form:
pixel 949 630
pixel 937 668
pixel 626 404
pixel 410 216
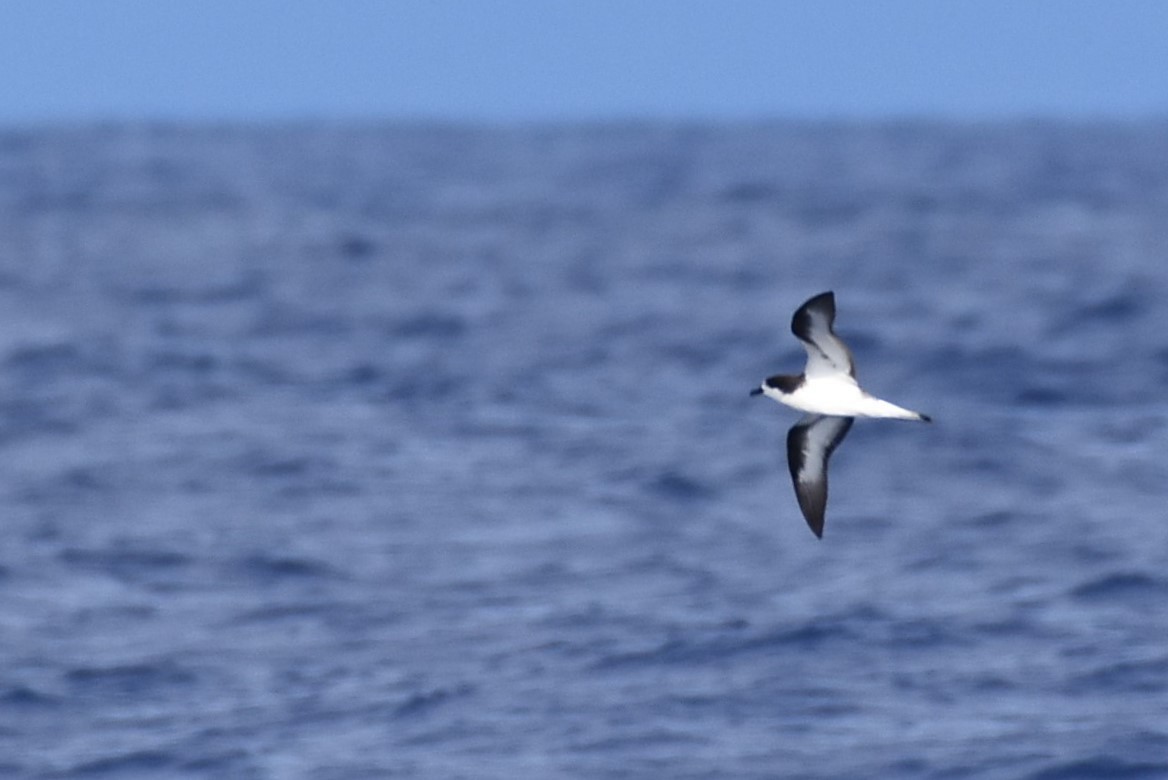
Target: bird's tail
pixel 876 407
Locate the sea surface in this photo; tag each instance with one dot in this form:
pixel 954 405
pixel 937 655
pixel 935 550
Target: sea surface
pixel 425 451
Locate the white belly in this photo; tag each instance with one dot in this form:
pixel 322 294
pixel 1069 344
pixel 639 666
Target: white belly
pixel 840 397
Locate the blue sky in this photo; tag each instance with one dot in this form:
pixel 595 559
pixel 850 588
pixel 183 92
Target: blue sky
pixel 516 60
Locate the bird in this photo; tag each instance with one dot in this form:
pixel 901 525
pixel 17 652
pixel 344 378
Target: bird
pixel 830 398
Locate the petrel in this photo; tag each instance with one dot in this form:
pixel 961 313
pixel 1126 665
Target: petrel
pixel 830 397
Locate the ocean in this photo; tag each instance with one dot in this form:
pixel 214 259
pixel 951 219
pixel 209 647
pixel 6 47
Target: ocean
pixel 425 451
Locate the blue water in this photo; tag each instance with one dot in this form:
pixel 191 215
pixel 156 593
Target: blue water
pixel 408 451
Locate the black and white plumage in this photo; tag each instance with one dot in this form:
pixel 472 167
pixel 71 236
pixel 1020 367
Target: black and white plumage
pixel 810 443
pixel 830 397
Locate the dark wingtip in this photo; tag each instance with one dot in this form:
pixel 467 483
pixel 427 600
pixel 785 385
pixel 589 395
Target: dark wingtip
pixel 925 418
pixel 824 297
pixel 828 296
pixel 801 320
pixel 756 391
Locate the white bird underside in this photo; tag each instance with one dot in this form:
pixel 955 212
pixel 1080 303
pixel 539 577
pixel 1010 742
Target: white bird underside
pixel 828 393
pixel 838 396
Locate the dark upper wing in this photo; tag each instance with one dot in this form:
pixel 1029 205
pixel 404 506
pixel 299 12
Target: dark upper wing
pixel 812 325
pixel 810 443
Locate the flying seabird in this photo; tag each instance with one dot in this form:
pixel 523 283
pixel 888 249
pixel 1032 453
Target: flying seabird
pixel 830 397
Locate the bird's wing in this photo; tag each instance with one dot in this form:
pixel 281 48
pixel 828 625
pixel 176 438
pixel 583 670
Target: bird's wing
pixel 827 354
pixel 810 443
